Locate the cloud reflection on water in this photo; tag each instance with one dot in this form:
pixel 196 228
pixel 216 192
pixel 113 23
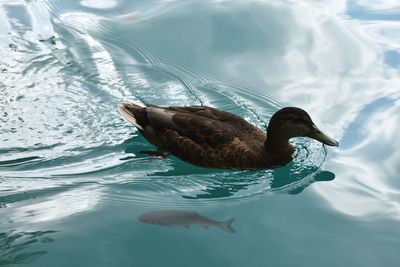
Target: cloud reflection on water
pixel 370 166
pixel 56 207
pixel 366 172
pixel 104 4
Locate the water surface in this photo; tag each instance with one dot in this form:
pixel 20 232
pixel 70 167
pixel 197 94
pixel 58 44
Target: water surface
pixel 72 180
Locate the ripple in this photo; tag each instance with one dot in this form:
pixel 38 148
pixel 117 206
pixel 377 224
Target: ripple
pixel 384 32
pixel 16 162
pixel 16 246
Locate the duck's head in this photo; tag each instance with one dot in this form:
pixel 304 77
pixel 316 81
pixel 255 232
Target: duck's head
pixel 294 122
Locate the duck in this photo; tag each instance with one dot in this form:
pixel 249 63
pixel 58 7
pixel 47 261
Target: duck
pixel 208 137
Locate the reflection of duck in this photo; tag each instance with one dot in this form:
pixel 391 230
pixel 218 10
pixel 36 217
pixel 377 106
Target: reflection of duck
pixel 210 137
pixel 281 181
pixel 287 182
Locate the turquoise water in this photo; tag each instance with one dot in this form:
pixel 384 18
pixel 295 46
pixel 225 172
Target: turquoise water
pixel 72 180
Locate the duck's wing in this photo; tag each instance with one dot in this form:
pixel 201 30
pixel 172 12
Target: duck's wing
pixel 200 124
pixel 200 135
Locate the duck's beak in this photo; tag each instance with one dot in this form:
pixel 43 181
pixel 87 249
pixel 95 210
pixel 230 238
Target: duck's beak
pixel 317 134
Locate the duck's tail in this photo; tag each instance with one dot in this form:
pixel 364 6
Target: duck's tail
pixel 134 113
